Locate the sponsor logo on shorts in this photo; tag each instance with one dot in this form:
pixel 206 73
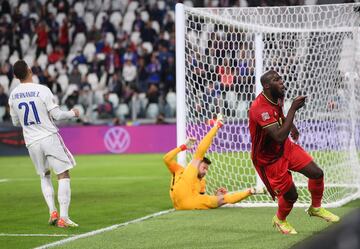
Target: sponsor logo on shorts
pixel 117 140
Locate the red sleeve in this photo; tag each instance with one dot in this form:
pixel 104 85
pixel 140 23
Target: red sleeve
pixel 263 116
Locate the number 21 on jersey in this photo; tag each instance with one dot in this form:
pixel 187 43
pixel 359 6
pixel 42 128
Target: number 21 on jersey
pixel 26 114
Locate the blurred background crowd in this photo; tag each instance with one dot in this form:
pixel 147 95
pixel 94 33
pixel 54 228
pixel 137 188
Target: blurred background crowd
pixel 113 60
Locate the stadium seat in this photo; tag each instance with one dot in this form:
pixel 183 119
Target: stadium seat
pixel 93 80
pixel 35 79
pixel 42 61
pixel 145 16
pixel 231 99
pixel 135 37
pixel 114 99
pixel 2 112
pixel 79 42
pixel 148 46
pixel 161 5
pixel 99 19
pixel 24 9
pixel 119 5
pixel 143 100
pixel 29 59
pixel 122 111
pixel 89 20
pixel 190 3
pixel 241 110
pixel 133 5
pixel 83 69
pixel 152 111
pixel 156 26
pixel 14 83
pixel 60 18
pixel 81 110
pixel 25 43
pixel 128 21
pixel 51 70
pixel 63 81
pixel 116 18
pixel 106 5
pixel 4 81
pixel 109 38
pixel 171 100
pixel 14 57
pixel 79 8
pixel 4 53
pixel 89 51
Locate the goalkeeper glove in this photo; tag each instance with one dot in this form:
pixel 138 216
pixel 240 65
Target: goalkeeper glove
pixel 258 190
pixel 219 120
pixel 189 143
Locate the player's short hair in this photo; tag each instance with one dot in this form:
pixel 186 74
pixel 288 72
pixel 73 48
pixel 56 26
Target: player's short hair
pixel 206 160
pixel 20 69
pixel 266 76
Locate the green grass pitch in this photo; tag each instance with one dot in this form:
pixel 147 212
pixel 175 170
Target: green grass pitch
pixel 113 189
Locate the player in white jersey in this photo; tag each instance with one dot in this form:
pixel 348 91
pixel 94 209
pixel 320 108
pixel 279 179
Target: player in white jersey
pixel 33 108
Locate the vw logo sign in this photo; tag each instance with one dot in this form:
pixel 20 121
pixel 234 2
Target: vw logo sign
pixel 117 140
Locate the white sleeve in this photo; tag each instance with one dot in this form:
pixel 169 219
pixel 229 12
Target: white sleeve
pixel 14 117
pixel 48 99
pixel 58 114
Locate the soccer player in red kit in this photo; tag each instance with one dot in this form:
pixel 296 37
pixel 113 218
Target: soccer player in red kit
pixel 274 154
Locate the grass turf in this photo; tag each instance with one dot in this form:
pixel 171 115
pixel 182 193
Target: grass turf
pixel 112 189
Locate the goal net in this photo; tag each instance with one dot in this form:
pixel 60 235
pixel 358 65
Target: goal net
pixel 221 54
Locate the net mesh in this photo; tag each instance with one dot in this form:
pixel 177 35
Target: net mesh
pixel 315 49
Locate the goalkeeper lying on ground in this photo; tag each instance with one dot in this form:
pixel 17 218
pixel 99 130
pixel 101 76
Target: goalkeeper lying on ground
pixel 187 187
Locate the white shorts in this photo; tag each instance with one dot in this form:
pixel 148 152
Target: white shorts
pixel 51 153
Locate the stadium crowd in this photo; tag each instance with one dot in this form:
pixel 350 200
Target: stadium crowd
pixel 113 60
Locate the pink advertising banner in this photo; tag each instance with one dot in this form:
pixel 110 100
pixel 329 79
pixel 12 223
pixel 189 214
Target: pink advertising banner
pixel 119 139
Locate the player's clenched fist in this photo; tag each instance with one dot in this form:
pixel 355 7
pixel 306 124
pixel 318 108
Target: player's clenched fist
pixel 76 111
pixel 298 102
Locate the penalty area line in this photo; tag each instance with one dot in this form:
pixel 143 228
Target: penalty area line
pixel 33 235
pixel 102 230
pixel 4 180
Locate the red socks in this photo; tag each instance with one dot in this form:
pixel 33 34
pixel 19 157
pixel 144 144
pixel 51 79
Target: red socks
pixel 316 188
pixel 284 208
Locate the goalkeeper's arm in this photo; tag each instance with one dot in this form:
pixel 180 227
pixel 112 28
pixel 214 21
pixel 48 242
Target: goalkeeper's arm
pixel 169 158
pixel 226 198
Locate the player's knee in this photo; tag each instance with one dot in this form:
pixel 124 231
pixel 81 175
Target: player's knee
pixel 291 196
pixel 319 173
pixel 63 175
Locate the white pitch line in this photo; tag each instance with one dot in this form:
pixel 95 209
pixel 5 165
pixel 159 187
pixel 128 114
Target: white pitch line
pixel 4 180
pixel 33 235
pixel 102 230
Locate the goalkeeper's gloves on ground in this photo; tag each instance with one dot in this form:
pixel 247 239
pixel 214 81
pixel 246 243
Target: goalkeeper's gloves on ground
pixel 258 190
pixel 189 143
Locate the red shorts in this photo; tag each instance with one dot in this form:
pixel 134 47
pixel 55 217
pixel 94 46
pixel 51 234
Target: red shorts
pixel 277 176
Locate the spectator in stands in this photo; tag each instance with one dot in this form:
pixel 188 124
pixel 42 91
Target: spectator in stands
pixel 42 40
pixel 129 73
pixel 53 29
pixel 168 74
pixel 86 99
pixel 148 34
pixel 142 75
pixel 75 76
pixel 106 109
pixel 115 85
pixel 64 37
pixel 56 55
pixel 153 69
pixel 3 97
pixel 72 99
pixel 153 94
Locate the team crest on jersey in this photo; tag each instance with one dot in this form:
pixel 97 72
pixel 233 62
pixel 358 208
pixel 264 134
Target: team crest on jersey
pixel 265 116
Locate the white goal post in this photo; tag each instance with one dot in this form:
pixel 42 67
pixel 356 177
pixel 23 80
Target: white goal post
pixel 221 54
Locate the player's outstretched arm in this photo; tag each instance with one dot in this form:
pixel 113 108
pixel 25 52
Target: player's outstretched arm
pixel 169 158
pixel 57 114
pixel 279 134
pixel 207 140
pixel 226 198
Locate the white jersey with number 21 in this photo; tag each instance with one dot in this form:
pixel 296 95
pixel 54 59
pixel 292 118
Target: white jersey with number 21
pixel 31 103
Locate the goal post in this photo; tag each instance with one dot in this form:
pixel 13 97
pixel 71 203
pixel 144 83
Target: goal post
pixel 221 54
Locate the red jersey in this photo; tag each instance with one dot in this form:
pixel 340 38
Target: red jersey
pixel 263 113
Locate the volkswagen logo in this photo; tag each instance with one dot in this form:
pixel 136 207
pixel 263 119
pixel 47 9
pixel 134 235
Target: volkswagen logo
pixel 117 140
